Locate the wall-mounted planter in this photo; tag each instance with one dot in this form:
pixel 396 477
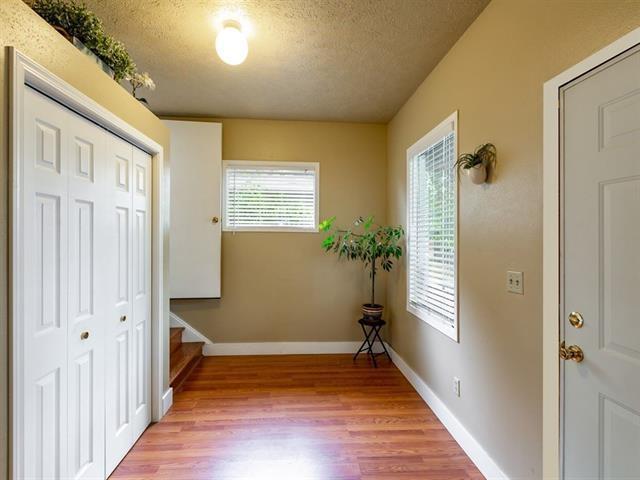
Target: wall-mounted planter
pixel 477 174
pixel 477 164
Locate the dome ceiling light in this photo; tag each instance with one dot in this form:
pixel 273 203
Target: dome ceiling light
pixel 231 43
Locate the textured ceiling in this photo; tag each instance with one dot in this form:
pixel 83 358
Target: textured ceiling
pixel 345 60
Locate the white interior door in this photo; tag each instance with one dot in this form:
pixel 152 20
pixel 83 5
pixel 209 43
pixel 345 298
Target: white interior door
pixel 118 373
pixel 128 322
pixel 85 218
pixel 196 227
pixel 86 304
pixel 601 147
pixel 45 286
pixel 141 321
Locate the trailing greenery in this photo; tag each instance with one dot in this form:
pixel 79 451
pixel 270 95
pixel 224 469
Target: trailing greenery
pixel 372 244
pixel 78 21
pixel 483 155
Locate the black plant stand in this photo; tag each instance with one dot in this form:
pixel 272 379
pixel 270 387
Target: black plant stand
pixel 374 324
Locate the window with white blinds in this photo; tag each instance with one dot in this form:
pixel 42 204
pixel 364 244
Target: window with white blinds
pixel 270 196
pixel 431 228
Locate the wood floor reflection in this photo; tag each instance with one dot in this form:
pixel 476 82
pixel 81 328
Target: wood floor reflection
pixel 297 417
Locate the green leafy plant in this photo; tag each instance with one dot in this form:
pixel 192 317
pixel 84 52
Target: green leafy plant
pixel 76 20
pixel 483 155
pixel 372 244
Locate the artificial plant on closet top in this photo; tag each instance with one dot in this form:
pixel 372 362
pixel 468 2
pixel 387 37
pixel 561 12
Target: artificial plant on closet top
pixel 372 244
pixel 76 20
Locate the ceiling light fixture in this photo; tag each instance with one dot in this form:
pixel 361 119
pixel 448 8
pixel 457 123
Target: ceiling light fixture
pixel 231 43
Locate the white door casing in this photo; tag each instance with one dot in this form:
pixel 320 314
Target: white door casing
pixel 600 121
pixel 40 413
pixel 196 162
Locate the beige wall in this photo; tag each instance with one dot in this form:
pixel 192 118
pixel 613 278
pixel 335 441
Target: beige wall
pixel 282 286
pixel 26 31
pixel 494 76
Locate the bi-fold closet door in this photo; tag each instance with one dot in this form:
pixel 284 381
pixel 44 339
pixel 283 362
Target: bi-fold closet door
pixel 85 203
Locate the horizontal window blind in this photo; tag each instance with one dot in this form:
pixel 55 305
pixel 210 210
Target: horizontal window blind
pixel 270 196
pixel 432 230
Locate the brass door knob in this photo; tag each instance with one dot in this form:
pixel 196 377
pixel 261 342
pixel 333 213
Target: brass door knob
pixel 84 335
pixel 215 220
pixel 576 320
pixel 123 318
pixel 572 352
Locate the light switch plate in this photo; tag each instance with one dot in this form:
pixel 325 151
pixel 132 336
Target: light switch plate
pixel 515 282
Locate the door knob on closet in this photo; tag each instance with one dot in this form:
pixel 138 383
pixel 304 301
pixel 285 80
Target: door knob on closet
pixel 123 318
pixel 572 352
pixel 215 220
pixel 576 320
pixel 84 335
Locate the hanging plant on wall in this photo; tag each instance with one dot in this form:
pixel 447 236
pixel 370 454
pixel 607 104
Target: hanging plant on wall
pixel 83 28
pixel 477 163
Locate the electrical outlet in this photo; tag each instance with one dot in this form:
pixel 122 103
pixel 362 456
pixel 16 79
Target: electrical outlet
pixel 456 386
pixel 515 282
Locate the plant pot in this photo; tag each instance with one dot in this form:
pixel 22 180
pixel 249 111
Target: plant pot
pixel 97 60
pixel 63 32
pixel 477 174
pixel 372 310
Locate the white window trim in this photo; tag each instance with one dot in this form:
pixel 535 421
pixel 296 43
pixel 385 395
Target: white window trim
pixel 267 163
pixel 450 124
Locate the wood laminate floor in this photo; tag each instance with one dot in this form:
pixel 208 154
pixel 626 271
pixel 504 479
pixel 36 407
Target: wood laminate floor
pixel 297 417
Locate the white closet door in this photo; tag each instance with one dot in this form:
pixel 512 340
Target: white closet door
pixel 128 322
pixel 86 148
pixel 86 277
pixel 196 228
pixel 45 287
pixel 118 371
pixel 141 321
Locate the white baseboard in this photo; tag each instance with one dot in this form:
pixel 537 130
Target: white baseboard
pixel 167 400
pixel 279 348
pixel 189 334
pixel 469 444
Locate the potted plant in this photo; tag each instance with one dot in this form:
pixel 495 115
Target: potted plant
pixel 476 163
pixel 138 80
pixel 372 244
pixel 85 30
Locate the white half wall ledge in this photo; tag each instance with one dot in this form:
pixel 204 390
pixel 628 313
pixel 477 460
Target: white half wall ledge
pixel 467 442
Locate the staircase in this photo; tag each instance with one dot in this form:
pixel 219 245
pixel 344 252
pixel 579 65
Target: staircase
pixel 185 356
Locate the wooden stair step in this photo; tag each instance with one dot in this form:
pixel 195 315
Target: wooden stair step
pixel 175 338
pixel 183 361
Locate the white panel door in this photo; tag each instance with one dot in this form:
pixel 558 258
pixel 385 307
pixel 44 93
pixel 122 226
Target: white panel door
pixel 141 282
pixel 86 147
pixel 86 277
pixel 119 349
pixel 196 160
pixel 45 286
pixel 601 142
